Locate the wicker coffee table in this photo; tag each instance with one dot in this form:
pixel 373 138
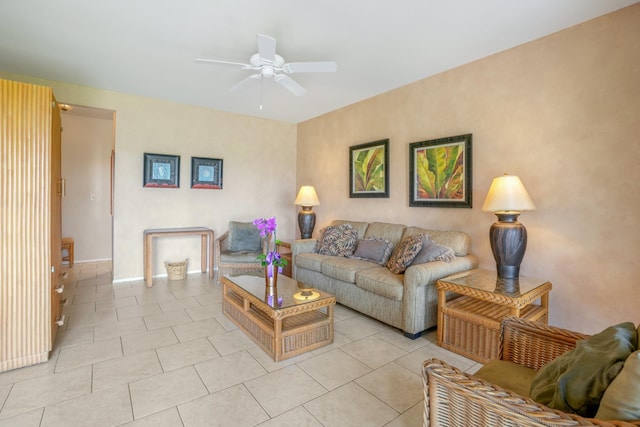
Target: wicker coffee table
pixel 295 321
pixel 469 322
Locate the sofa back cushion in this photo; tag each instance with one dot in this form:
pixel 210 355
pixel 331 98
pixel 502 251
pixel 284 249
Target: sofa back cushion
pixel 360 227
pixel 457 240
pixel 384 230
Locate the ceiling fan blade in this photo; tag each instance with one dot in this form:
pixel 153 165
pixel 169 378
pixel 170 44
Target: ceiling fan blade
pixel 290 84
pixel 244 82
pixel 310 67
pixel 267 47
pixel 222 61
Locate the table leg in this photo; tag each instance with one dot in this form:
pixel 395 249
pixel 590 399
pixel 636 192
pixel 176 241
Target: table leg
pixel 330 317
pixel 442 300
pixel 544 302
pixel 277 338
pixel 148 261
pixel 211 257
pixel 144 256
pixel 203 253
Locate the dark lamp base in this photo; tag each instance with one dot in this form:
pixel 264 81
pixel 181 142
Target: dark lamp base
pixel 306 222
pixel 508 243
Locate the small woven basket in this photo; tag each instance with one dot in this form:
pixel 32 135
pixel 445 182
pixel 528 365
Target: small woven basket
pixel 176 270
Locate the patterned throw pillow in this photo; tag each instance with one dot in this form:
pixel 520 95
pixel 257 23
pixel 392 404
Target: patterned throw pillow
pixel 374 249
pixel 338 240
pixel 404 254
pixel 431 251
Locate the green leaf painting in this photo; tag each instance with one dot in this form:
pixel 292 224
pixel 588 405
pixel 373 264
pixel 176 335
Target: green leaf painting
pixel 368 170
pixel 440 172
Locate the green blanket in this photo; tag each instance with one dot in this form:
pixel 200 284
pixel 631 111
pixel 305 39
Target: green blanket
pixel 575 381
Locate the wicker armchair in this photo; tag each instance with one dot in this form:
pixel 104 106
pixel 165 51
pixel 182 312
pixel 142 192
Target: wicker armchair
pixel 239 262
pixel 454 398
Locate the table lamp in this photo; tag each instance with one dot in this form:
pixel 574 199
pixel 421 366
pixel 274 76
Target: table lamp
pixel 306 217
pixel 507 197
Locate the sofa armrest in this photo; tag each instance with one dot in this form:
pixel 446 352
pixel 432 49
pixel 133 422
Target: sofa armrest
pixel 534 344
pixel 423 274
pixel 301 246
pixel 452 397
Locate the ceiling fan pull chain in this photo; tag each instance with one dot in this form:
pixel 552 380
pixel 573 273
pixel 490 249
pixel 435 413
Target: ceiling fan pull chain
pixel 261 78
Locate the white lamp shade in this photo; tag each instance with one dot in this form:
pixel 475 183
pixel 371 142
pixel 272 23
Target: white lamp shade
pixel 507 194
pixel 307 196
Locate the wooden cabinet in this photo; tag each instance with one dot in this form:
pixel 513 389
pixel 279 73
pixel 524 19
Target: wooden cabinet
pixel 30 223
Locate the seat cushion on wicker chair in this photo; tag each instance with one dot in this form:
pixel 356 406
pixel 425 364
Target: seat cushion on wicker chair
pixel 575 381
pixel 244 236
pixel 240 256
pixel 508 375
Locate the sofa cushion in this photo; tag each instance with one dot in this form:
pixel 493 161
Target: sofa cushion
pixel 404 254
pixel 390 232
pixel 311 261
pixel 360 227
pixel 575 381
pixel 431 251
pixel 243 236
pixel 382 282
pixel 375 249
pixel 508 375
pixel 457 240
pixel 338 240
pixel 344 269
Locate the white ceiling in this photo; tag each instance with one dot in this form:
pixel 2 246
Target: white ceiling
pixel 147 47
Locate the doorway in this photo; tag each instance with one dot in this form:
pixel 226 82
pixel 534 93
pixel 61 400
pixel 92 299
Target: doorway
pixel 88 144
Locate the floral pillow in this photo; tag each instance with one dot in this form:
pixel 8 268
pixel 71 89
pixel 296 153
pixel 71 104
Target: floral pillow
pixel 374 249
pixel 404 254
pixel 338 240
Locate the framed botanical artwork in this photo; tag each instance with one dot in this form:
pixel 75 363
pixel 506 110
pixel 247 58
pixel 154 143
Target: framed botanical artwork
pixel 206 173
pixel 440 172
pixel 369 169
pixel 161 170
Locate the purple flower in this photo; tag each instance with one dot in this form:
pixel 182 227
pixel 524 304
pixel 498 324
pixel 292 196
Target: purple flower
pixel 266 226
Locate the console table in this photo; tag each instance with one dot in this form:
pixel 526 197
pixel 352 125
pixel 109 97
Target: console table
pixel 470 323
pixel 206 251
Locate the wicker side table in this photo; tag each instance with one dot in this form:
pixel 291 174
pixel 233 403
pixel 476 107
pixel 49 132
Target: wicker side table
pixel 469 321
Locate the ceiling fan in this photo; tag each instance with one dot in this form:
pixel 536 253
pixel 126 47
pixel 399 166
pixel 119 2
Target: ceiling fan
pixel 268 64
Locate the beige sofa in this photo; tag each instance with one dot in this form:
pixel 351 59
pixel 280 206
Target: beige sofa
pixel 406 301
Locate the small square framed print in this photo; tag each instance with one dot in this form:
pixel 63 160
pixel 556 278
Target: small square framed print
pixel 161 171
pixel 206 173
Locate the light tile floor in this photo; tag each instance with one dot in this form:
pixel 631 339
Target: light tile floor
pixel 167 356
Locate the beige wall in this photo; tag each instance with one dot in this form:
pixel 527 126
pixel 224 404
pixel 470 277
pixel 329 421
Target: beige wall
pixel 258 172
pixel 86 153
pixel 561 112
